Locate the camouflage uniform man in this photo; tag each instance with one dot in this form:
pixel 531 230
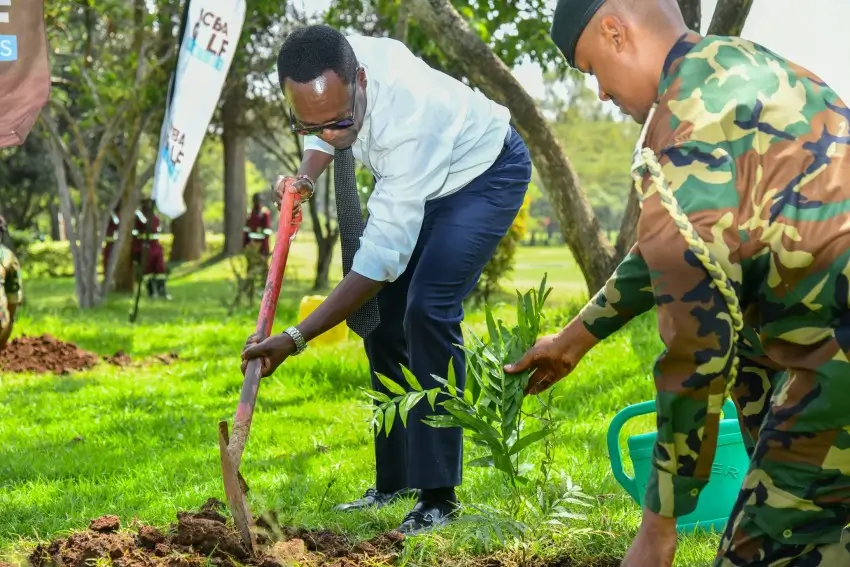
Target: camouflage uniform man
pixel 742 164
pixel 11 288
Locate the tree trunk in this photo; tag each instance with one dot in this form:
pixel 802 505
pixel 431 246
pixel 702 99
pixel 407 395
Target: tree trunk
pixel 188 229
pixel 55 234
pixel 234 189
pixel 401 23
pixel 729 17
pixel 65 206
pixel 692 13
pixel 85 271
pixel 234 143
pixel 593 253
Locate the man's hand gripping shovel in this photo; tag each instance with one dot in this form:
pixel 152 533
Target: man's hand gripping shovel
pixel 231 446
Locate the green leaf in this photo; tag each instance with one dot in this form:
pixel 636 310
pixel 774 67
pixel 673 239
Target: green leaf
pixel 389 418
pixel 377 396
pixel 443 421
pixel 390 385
pixel 432 397
pixel 529 439
pixel 407 404
pixel 450 378
pixel 379 420
pixel 495 337
pixel 411 379
pixel 481 462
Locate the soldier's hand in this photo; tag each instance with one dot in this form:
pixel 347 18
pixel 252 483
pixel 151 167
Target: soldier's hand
pixel 302 186
pixel 554 356
pixel 549 360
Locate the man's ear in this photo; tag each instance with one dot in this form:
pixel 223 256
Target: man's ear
pixel 361 77
pixel 614 31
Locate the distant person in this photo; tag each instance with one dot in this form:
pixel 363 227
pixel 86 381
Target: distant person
pixel 11 287
pixel 451 174
pixel 147 229
pixel 747 153
pixel 258 226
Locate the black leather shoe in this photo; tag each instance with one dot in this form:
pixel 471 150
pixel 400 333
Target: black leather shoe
pixel 378 499
pixel 428 515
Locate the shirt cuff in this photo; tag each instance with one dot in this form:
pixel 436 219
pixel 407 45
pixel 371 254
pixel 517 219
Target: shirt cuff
pixel 672 496
pixel 376 262
pixel 314 143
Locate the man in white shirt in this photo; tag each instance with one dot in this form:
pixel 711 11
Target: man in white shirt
pixel 451 174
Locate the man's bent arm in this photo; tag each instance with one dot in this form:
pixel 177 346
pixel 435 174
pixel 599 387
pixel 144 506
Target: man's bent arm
pixel 352 292
pixel 694 323
pixel 314 163
pixel 626 294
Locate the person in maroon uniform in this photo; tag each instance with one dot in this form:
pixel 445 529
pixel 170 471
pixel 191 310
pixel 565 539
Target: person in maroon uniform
pixel 111 235
pixel 258 226
pixel 147 229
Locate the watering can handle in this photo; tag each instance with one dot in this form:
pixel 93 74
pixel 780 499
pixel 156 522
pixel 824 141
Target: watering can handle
pixel 613 440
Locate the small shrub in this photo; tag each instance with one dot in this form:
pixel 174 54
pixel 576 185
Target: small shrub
pixel 490 410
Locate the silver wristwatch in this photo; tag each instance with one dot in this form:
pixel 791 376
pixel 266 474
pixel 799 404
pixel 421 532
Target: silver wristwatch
pixel 298 339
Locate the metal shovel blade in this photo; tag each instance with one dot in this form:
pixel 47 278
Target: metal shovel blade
pixel 233 489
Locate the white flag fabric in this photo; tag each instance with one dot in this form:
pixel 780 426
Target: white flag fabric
pixel 210 39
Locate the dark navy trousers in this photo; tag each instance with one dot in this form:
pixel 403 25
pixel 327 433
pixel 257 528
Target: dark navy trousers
pixel 422 310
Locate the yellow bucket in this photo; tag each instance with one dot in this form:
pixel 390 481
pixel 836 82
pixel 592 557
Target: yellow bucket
pixel 335 335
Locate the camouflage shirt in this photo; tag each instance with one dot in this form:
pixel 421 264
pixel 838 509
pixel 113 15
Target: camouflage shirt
pixel 754 148
pixel 11 284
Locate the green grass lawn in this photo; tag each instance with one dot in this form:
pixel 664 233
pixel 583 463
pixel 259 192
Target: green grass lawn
pixel 141 442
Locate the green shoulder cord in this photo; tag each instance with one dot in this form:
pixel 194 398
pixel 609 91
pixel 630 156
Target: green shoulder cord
pixel 645 159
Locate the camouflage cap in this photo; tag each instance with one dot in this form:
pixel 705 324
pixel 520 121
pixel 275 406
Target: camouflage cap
pixel 571 17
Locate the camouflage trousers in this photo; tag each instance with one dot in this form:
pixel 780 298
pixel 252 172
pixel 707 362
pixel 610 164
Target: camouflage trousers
pixel 5 318
pixel 794 503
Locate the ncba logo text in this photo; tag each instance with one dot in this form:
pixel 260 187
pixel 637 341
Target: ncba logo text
pixel 212 49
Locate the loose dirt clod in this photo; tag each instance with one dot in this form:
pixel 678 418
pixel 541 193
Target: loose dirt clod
pixel 120 358
pixel 45 353
pixel 105 524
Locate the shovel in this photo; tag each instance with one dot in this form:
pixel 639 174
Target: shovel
pixel 231 446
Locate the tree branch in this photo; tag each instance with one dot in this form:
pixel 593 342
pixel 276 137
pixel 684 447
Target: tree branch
pixel 49 122
pixel 729 17
pixel 579 224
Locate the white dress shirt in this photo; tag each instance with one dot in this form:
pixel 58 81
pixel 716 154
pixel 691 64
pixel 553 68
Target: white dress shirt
pixel 425 135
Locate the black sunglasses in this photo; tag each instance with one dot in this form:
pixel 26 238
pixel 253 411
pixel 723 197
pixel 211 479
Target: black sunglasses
pixel 342 124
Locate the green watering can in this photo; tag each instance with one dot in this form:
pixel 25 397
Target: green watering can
pixel 727 472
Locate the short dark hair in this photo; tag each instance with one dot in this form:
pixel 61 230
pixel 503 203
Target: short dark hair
pixel 308 52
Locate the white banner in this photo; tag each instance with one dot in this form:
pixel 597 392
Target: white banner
pixel 206 52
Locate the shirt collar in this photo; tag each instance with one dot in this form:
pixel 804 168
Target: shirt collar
pixel 686 42
pixel 370 104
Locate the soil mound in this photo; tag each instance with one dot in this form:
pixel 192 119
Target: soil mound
pixel 45 353
pixel 205 538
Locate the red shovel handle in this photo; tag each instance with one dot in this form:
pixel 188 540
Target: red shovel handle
pixel 286 230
